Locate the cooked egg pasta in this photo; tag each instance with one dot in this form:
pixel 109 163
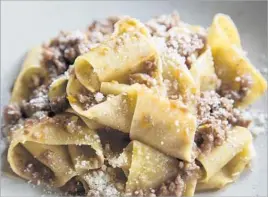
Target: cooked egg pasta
pixel 190 187
pixel 128 24
pixel 179 82
pixel 165 125
pixel 116 112
pixel 213 162
pixel 48 141
pixel 178 75
pixel 146 167
pixel 31 74
pixel 115 60
pixel 114 88
pixel 90 123
pixel 231 62
pixel 223 32
pixel 203 71
pixel 232 66
pixel 230 172
pixel 58 87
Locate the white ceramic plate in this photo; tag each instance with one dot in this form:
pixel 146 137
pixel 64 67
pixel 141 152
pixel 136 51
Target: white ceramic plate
pixel 28 23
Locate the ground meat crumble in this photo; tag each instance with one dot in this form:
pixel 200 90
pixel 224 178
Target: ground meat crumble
pixel 159 25
pixel 245 83
pixel 99 30
pixel 59 104
pixel 12 114
pixel 74 187
pixel 147 76
pixel 89 99
pixel 38 102
pixel 216 115
pixel 185 44
pixel 61 51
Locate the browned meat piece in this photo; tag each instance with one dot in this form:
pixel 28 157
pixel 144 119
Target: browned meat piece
pixel 189 170
pixel 216 115
pixel 173 188
pixel 99 30
pixel 12 114
pixel 150 67
pixel 87 100
pixel 59 104
pixel 38 102
pixel 158 26
pixel 245 83
pixel 61 51
pixel 142 78
pixel 74 187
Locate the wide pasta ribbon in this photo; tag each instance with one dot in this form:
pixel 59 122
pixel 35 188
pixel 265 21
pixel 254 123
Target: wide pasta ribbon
pixel 31 74
pixel 115 112
pixel 238 139
pixel 203 71
pixel 231 62
pixel 146 167
pixel 62 150
pixel 125 53
pixel 230 172
pixel 164 124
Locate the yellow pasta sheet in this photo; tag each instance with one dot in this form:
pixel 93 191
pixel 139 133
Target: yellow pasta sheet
pixel 203 71
pixel 231 62
pixel 230 172
pixel 114 60
pixel 116 112
pixel 31 73
pixel 213 162
pixel 146 167
pixel 163 124
pixel 45 144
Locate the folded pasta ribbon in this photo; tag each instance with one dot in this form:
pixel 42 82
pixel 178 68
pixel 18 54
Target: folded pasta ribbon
pixel 32 74
pixel 146 167
pixel 231 63
pixel 114 59
pixel 163 124
pixel 223 32
pixel 232 67
pixel 238 139
pixel 52 148
pixel 230 172
pixel 203 71
pixel 115 112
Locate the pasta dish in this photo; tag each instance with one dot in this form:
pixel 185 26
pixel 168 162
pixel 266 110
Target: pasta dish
pixel 127 108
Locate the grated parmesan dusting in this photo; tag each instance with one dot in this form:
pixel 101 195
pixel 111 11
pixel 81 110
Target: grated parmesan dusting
pixel 101 183
pixel 259 124
pixel 99 97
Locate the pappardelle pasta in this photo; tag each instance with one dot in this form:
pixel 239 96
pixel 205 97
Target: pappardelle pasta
pixel 132 109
